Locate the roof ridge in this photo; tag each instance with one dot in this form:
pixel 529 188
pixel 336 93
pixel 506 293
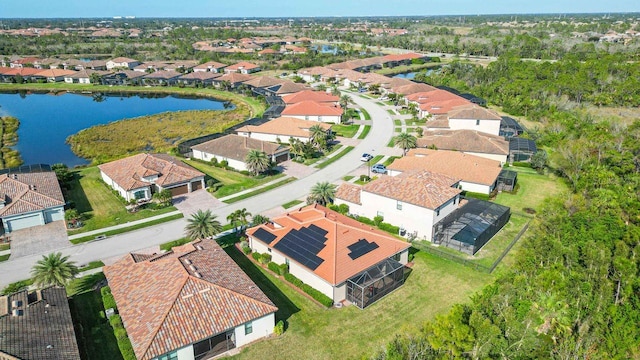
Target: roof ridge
pixel 234 291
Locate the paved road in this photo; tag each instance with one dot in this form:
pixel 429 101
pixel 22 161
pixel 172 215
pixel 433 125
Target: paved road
pixel 381 131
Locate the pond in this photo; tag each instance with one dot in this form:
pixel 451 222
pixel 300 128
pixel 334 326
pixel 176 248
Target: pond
pixel 46 120
pixel 411 75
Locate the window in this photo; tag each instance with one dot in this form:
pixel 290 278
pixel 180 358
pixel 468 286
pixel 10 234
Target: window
pixel 269 249
pixel 319 118
pixel 438 212
pixel 477 122
pixel 286 261
pixel 170 356
pixel 399 205
pixel 306 117
pixel 140 194
pixel 455 199
pixel 380 213
pixel 248 328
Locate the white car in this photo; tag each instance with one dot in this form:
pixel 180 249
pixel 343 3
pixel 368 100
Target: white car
pixel 366 157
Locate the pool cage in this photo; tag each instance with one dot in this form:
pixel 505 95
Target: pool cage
pixel 521 150
pixel 469 228
pixel 509 127
pixel 374 283
pixel 507 180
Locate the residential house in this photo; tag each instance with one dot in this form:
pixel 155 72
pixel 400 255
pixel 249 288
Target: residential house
pixel 193 302
pixel 284 88
pixel 93 65
pixel 150 66
pixel 122 62
pixel 123 77
pixel 84 76
pixel 10 75
pixel 24 62
pixel 336 255
pixel 310 95
pixel 281 130
pixel 140 176
pixel 210 66
pixel 414 200
pixel 435 102
pixel 30 199
pixel 233 79
pixel 477 174
pixel 234 150
pixel 412 88
pixel 161 78
pixel 37 326
pixel 54 75
pixel 204 78
pixel 474 117
pixel 311 110
pixel 467 141
pixel 242 67
pixel 394 60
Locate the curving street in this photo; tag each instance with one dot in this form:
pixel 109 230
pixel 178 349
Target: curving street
pixel 115 246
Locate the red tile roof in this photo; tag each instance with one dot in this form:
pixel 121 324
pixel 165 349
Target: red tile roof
pixel 128 172
pixel 473 112
pixel 342 231
pixel 210 65
pixel 234 78
pixel 284 126
pixel 21 71
pixel 238 147
pixel 311 108
pixel 241 65
pixel 192 293
pixel 26 192
pixel 55 73
pixel 464 140
pixel 310 95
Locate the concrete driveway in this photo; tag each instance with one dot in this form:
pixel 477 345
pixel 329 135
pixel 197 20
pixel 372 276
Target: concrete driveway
pixel 190 203
pixel 295 169
pixel 39 239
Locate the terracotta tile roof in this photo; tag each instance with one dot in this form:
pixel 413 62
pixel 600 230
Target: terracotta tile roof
pixel 473 112
pixel 123 60
pixel 312 108
pixel 268 52
pixel 349 192
pixel 200 75
pixel 28 192
pixel 464 140
pixel 55 73
pixel 441 107
pixel 287 87
pixel 163 74
pixel 128 172
pixel 241 65
pixel 469 168
pixel 237 147
pixel 438 122
pixel 434 95
pixel 165 304
pixel 342 231
pixel 420 188
pixel 21 71
pixel 316 70
pixel 210 65
pixel 285 126
pixel 86 74
pixel 234 78
pixel 132 74
pixel 263 81
pixel 310 95
pixel 412 88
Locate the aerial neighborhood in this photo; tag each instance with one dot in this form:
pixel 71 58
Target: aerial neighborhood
pixel 286 189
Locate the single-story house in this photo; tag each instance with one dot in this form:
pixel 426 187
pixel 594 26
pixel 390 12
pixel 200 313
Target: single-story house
pixel 199 77
pixel 10 74
pixel 335 254
pixel 93 65
pixel 37 326
pixel 233 79
pixel 474 117
pixel 30 199
pixel 234 150
pixel 467 141
pixel 150 66
pixel 285 87
pixel 83 76
pixel 210 66
pixel 140 176
pixel 242 67
pixel 414 200
pixel 192 302
pixel 311 110
pixel 54 75
pixel 280 130
pixel 23 62
pixel 412 88
pixel 435 102
pixel 477 174
pixel 122 62
pixel 124 77
pixel 310 95
pixel 162 78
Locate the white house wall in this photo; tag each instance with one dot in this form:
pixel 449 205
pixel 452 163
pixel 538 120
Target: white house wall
pixel 477 188
pixel 335 119
pixel 127 195
pixel 186 353
pixel 238 165
pixel 262 327
pixel 486 126
pixel 311 279
pixel 496 157
pixel 54 214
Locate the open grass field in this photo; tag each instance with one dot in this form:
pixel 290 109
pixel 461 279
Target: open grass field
pixel 99 205
pixel 534 189
pixel 347 131
pixel 94 334
pixel 313 332
pixel 233 181
pixel 408 68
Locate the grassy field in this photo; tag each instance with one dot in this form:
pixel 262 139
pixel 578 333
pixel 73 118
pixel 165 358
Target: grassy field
pixel 335 158
pixel 349 333
pixel 260 190
pixel 96 340
pixel 533 190
pixel 365 132
pixel 347 131
pixel 292 203
pixel 408 68
pixel 99 205
pixel 233 181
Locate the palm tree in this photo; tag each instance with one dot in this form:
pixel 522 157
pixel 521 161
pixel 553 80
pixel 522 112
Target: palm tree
pixel 344 101
pixel 405 141
pixel 202 224
pixel 243 217
pixel 318 136
pixel 259 219
pixel 53 269
pixel 257 162
pixel 323 193
pixel 164 197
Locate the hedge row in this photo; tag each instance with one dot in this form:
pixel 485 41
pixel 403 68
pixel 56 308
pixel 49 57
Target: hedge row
pixel 108 300
pixel 317 295
pixel 124 344
pixel 282 269
pixel 391 229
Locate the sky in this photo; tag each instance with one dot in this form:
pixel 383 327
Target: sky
pixel 301 8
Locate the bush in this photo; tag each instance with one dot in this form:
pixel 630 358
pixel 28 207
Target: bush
pixel 246 250
pixel 16 286
pixel 265 258
pixel 364 178
pixel 365 220
pixel 105 290
pixel 521 164
pixel 223 164
pixel 255 256
pixel 109 302
pixel 389 228
pixel 279 328
pixel 115 321
pixel 377 220
pixel 315 294
pixel 294 280
pixel 274 267
pixel 284 269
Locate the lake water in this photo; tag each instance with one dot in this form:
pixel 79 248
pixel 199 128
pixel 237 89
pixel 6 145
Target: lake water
pixel 47 120
pixel 412 75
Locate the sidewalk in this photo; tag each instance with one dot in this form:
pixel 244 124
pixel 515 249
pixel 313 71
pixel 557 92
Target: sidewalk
pixel 122 226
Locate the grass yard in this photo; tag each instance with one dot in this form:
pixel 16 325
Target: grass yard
pixel 95 336
pixel 347 131
pixel 347 178
pixel 397 122
pixel 233 181
pixel 365 132
pixel 4 257
pixel 376 159
pixel 260 190
pixel 391 112
pixel 390 160
pixel 365 113
pixel 496 246
pixel 335 158
pixel 534 189
pixel 292 203
pixel 398 130
pixel 99 205
pixel 5 247
pixel 313 332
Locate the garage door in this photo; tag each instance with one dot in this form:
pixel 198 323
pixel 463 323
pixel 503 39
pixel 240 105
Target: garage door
pixel 23 223
pixel 281 158
pixel 196 185
pixel 180 190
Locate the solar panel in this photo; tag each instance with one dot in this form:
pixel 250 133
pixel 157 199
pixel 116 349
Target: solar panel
pixel 360 248
pixel 317 229
pixel 304 245
pixel 264 235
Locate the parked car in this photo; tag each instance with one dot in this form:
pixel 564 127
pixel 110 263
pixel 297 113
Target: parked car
pixel 379 169
pixel 366 157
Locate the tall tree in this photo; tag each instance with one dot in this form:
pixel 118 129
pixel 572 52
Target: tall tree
pixel 345 100
pixel 318 137
pixel 257 162
pixel 323 193
pixel 53 269
pixel 202 224
pixel 405 141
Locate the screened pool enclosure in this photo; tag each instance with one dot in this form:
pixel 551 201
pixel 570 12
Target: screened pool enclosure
pixel 374 283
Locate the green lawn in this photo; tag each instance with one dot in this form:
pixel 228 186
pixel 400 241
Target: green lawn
pixel 347 131
pixel 335 158
pixel 533 189
pixel 128 228
pixel 365 132
pixel 376 159
pixel 4 257
pixel 292 203
pixel 260 190
pixel 347 178
pixel 390 160
pixel 95 336
pixel 313 332
pixel 233 181
pixel 391 112
pixel 99 205
pixel 397 122
pixel 5 247
pixel 365 113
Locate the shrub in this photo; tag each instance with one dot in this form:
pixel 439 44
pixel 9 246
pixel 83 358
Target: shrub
pixel 115 321
pixel 105 290
pixel 279 328
pixel 343 209
pixel 364 178
pixel 223 164
pixel 284 269
pixel 255 256
pixel 120 332
pixel 377 220
pixel 16 286
pixel 365 220
pixel 274 267
pixel 246 250
pixel 214 161
pixel 109 302
pixel 294 280
pixel 317 295
pixel 389 228
pixel 265 258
